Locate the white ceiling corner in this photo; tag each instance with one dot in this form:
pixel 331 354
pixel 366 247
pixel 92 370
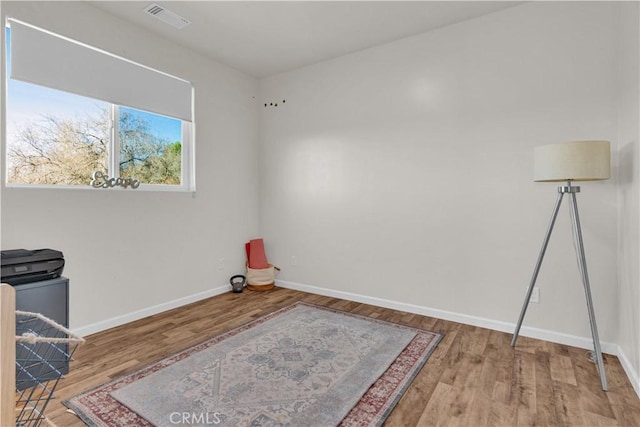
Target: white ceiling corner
pixel 263 38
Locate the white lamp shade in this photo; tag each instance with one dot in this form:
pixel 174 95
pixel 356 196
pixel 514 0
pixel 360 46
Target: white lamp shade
pixel 575 161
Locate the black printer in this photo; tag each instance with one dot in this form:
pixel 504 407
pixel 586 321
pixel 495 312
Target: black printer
pixel 21 266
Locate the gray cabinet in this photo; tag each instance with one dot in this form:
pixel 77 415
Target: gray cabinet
pixel 51 299
pixel 48 297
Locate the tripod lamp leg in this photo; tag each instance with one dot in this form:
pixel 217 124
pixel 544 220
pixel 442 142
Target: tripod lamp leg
pixel 554 215
pixel 582 261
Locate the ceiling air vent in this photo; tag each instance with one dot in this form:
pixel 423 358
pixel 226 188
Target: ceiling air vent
pixel 166 16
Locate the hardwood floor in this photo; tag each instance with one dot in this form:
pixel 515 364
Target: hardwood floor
pixel 473 378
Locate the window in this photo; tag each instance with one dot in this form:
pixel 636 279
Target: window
pixel 62 129
pixel 150 147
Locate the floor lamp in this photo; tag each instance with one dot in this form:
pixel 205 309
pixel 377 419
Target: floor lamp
pixel 571 161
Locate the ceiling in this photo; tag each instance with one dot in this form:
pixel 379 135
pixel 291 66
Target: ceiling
pixel 263 38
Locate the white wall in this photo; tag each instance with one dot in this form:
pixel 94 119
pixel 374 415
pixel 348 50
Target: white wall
pixel 404 172
pixel 131 250
pixel 629 190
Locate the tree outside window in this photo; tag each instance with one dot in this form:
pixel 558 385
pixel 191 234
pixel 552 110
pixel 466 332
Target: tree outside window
pixel 54 137
pixel 65 146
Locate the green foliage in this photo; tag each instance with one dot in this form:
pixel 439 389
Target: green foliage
pixel 56 150
pixel 146 157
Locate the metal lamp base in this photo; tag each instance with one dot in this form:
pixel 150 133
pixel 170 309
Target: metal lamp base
pixel 582 264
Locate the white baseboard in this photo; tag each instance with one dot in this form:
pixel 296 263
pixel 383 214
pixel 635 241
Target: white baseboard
pixel 632 374
pixel 139 314
pixel 543 334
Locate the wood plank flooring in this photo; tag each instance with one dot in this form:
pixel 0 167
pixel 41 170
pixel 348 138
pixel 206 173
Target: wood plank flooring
pixel 473 378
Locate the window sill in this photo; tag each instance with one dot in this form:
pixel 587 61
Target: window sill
pixel 143 188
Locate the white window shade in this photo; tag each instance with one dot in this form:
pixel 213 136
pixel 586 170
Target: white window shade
pixel 46 59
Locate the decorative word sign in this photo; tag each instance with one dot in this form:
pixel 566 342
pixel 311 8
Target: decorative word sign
pixel 101 180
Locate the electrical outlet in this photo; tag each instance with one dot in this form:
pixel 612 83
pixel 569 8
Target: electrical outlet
pixel 220 263
pixel 294 261
pixel 535 296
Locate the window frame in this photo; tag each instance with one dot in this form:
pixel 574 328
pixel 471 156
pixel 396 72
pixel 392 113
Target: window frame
pixel 187 179
pixel 186 160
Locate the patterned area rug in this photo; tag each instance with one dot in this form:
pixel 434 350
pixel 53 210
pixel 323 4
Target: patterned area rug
pixel 303 365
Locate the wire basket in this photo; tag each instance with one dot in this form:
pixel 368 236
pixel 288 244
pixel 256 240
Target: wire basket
pixel 43 351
